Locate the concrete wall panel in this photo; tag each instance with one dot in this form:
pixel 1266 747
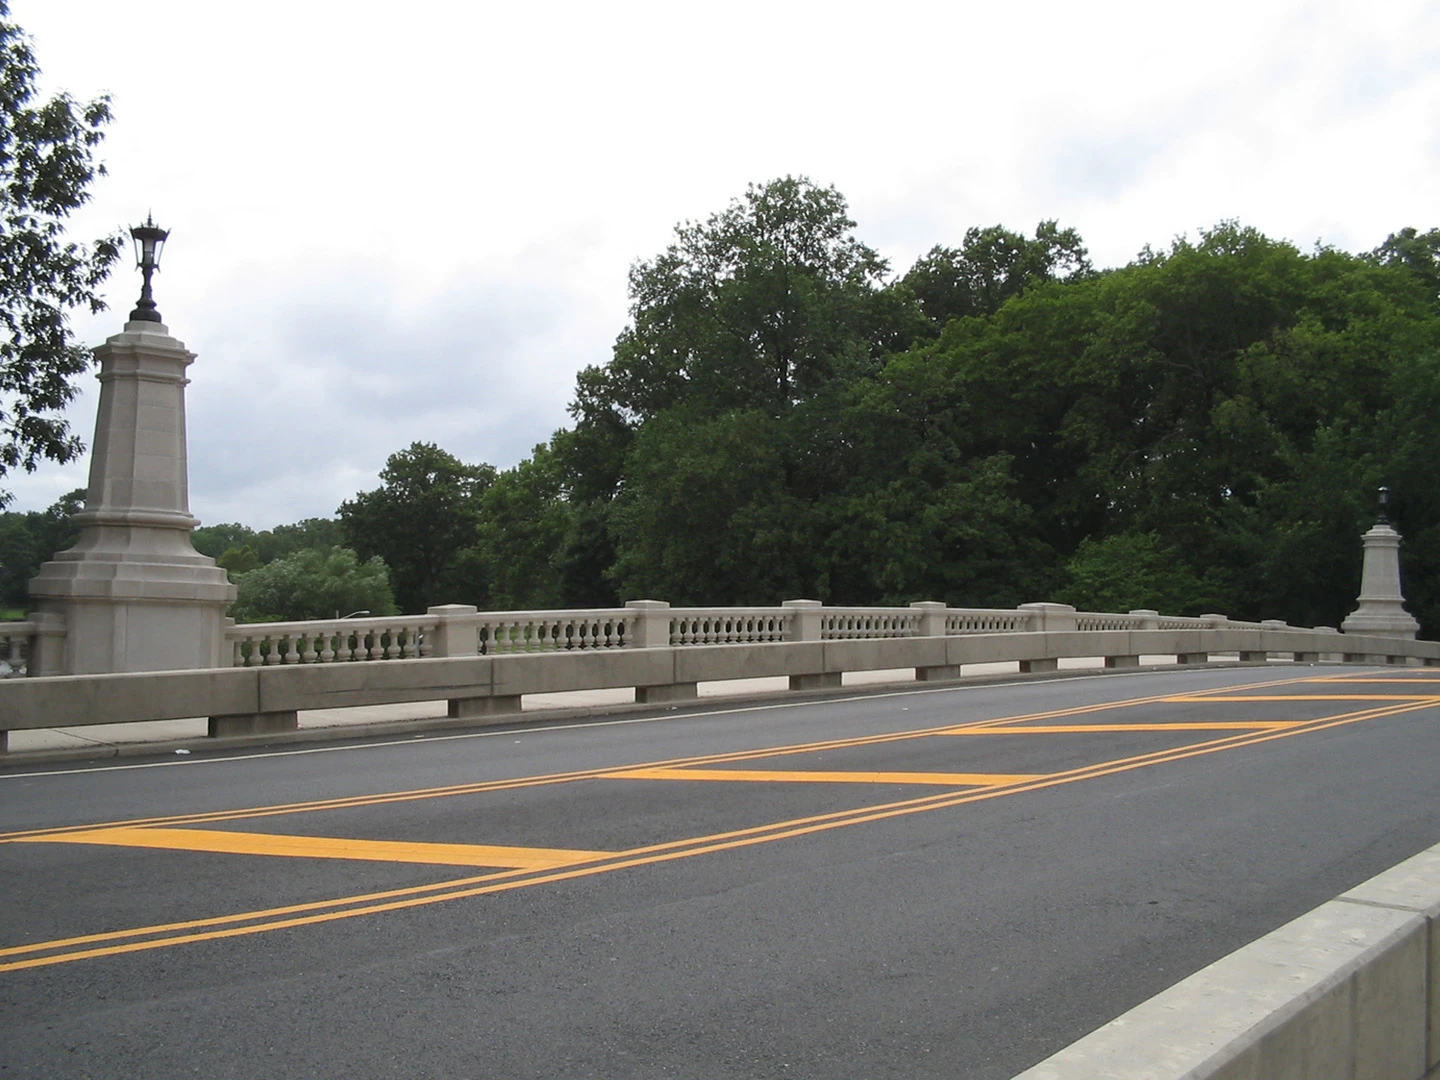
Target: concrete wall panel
pixel 547 673
pixel 75 700
pixel 380 682
pixel 715 663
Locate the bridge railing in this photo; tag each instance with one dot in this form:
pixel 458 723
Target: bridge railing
pixel 16 645
pixel 482 664
pixel 461 630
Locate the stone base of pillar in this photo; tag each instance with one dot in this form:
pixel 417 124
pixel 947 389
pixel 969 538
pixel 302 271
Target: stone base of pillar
pixel 478 707
pixel 1122 661
pixel 938 673
pixel 826 680
pixel 1035 667
pixel 133 635
pixel 260 723
pixel 664 694
pixel 133 597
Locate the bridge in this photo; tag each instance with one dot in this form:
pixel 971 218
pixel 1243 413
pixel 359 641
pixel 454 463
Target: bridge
pixel 925 880
pixel 1131 871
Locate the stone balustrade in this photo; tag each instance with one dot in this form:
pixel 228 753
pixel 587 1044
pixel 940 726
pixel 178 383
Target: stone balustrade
pixel 467 631
pixel 15 648
pixel 455 630
pixel 330 641
pixel 484 663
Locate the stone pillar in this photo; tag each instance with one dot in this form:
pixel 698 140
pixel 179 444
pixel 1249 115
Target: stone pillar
pixel 456 635
pixel 1050 617
pixel 133 593
pixel 1381 606
pixel 808 624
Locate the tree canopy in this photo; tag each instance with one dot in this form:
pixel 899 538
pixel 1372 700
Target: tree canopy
pixel 1199 430
pixel 47 166
pixel 313 584
pixel 420 521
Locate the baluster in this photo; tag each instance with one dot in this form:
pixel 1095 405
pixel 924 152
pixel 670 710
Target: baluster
pixel 327 639
pixel 309 656
pixel 392 647
pixel 375 650
pixel 292 649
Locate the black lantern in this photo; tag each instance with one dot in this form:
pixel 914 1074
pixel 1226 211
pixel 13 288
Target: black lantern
pixel 1384 518
pixel 149 240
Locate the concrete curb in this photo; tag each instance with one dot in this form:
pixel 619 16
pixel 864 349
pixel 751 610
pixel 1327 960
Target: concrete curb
pixel 1348 991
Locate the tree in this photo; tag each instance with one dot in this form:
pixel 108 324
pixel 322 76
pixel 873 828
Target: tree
pixel 419 521
pixel 47 165
pixel 990 266
pixel 29 539
pixel 757 307
pixel 238 560
pixel 313 585
pixel 215 540
pixel 318 534
pixel 1417 252
pixel 1127 571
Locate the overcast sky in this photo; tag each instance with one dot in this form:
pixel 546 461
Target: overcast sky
pixel 401 222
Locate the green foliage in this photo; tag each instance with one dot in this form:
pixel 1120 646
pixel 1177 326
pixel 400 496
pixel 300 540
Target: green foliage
pixel 1419 254
pixel 215 540
pixel 420 521
pixel 758 307
pixel 318 534
pixel 29 539
pixel 1126 571
pixel 47 165
pixel 313 584
pixel 524 527
pixel 991 266
pixel 1200 430
pixel 238 560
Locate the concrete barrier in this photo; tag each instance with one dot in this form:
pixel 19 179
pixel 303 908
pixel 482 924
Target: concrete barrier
pixel 264 699
pixel 1348 991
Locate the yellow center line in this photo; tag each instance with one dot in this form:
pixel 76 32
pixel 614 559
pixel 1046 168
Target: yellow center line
pixel 325 847
pixel 648 856
pixel 1305 697
pixel 480 787
pixel 1068 729
pixel 365 904
pixel 1392 679
pixel 808 777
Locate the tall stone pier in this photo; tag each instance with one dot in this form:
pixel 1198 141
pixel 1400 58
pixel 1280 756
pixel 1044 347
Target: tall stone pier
pixel 1381 605
pixel 133 594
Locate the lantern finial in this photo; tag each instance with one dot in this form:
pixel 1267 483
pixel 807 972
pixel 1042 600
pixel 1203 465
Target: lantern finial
pixel 149 239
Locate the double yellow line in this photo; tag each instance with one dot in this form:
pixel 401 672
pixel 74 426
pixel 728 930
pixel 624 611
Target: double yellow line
pixel 143 938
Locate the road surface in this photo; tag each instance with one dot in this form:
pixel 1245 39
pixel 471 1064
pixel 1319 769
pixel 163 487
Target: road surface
pixel 939 882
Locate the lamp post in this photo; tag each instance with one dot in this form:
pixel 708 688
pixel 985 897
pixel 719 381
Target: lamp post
pixel 133 594
pixel 149 241
pixel 1380 608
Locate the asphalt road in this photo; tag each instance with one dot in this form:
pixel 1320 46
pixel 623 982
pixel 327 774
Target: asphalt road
pixel 935 883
